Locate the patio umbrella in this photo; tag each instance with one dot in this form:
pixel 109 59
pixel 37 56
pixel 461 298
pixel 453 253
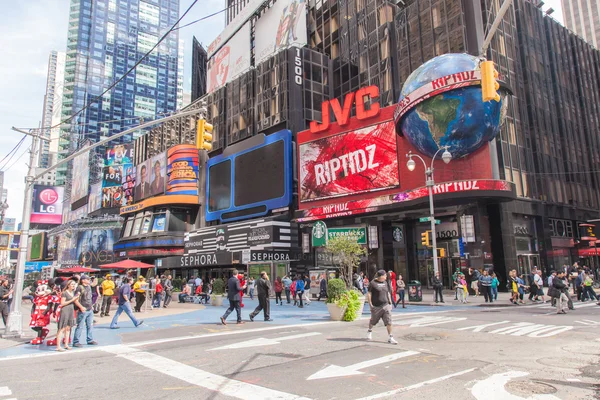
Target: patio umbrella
pixel 77 269
pixel 127 264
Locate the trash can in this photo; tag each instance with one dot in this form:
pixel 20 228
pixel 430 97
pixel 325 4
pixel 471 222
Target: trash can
pixel 414 291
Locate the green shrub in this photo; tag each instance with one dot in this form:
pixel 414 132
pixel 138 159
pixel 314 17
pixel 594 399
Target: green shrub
pixel 335 289
pixel 177 284
pixel 350 299
pixel 218 286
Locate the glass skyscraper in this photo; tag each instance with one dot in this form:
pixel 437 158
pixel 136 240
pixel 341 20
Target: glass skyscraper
pixel 105 39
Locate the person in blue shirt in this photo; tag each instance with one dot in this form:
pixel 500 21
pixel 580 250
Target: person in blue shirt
pixel 287 283
pixel 485 280
pixel 495 284
pixel 521 284
pixel 300 289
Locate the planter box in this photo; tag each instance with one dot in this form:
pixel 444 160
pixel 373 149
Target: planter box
pixel 216 300
pixel 362 300
pixel 336 313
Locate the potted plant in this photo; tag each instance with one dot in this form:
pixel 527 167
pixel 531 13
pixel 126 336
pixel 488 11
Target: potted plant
pixel 336 303
pixel 218 290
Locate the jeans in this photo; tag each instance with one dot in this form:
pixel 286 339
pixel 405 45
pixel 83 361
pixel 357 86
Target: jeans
pixel 460 294
pixel 487 293
pixel 401 294
pixel 106 300
pixel 278 298
pixel 562 303
pixel 438 293
pixel 182 297
pixel 140 298
pixel 84 318
pixel 234 304
pixel 300 295
pixel 251 293
pixel 157 299
pixel 263 305
pixel 168 298
pixel 495 292
pixel 4 311
pixel 588 291
pixel 127 309
pixel 287 294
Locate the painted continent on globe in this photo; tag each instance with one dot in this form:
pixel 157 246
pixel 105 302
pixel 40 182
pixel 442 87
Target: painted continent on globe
pixel 457 118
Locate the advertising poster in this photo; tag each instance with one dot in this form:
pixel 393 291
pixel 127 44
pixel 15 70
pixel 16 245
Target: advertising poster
pixel 112 196
pixel 112 176
pixel 38 244
pixel 47 205
pixel 231 60
pixel 119 154
pixel 128 184
pixel 315 280
pixel 182 170
pixel 158 165
pixel 95 246
pixel 282 25
pixel 51 247
pixel 142 184
pixel 353 162
pixel 79 188
pixel 95 199
pixel 67 248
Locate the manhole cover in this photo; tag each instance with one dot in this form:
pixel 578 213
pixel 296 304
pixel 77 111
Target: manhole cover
pixel 528 387
pixel 422 338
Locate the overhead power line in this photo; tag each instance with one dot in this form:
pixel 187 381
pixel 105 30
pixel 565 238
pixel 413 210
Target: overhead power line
pixel 13 151
pixel 19 143
pixel 115 83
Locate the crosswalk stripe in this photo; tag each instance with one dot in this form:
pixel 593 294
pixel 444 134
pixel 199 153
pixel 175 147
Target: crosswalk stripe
pixel 5 391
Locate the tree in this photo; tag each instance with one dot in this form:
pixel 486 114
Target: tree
pixel 349 253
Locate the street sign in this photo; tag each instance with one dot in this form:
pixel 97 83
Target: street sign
pixel 427 219
pixel 358 234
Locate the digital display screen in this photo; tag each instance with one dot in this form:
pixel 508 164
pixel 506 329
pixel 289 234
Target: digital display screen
pixel 219 186
pixel 260 174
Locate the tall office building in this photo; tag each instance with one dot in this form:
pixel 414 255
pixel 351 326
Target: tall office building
pixel 233 9
pixel 583 18
pixel 199 59
pixel 105 39
pixel 52 108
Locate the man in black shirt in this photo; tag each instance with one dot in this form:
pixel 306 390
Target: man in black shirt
pixel 5 293
pixel 263 287
pixel 233 294
pixel 380 301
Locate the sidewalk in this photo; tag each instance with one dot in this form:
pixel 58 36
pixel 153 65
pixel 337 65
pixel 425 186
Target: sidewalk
pixel 449 295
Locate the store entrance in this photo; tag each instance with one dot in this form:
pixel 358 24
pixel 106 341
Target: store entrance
pixel 527 262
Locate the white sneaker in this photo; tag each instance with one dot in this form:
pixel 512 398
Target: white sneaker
pixel 369 335
pixel 391 340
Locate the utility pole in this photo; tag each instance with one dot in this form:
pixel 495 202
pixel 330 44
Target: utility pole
pixel 14 324
pixel 486 43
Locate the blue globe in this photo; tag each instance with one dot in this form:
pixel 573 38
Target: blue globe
pixel 457 118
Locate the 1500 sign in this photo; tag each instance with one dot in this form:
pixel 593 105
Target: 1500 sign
pixel 453 234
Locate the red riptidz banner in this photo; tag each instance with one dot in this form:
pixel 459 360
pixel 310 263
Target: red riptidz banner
pixel 359 161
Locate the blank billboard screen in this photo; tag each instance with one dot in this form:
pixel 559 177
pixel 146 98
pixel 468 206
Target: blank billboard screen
pixel 219 186
pixel 260 174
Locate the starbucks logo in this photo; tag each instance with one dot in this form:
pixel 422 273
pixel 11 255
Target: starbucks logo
pixel 319 230
pixel 398 236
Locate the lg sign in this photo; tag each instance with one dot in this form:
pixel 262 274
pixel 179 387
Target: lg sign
pixel 47 205
pixel 48 197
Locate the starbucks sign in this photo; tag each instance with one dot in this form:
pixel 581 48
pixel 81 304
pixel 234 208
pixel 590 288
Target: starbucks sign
pixel 358 234
pixel 319 234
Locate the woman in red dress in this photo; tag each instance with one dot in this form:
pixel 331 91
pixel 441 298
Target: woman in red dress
pixel 392 277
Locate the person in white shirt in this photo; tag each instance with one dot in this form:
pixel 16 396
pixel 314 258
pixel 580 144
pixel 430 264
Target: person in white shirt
pixel 539 283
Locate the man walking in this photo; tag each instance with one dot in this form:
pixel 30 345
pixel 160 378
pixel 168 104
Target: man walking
pixel 486 286
pixel 5 293
pixel 380 301
pixel 263 289
pixel 561 291
pixel 438 287
pixel 108 290
pixel 124 305
pixel 85 316
pixel 531 283
pixel 287 283
pixel 168 291
pixel 300 290
pixel 233 294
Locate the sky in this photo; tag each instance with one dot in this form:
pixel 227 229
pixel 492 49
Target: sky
pixel 29 31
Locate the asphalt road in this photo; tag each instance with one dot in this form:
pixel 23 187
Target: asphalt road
pixel 525 352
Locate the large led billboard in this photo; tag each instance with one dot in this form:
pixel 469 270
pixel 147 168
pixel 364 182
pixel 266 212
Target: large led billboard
pixel 90 247
pixel 282 25
pixel 80 181
pixel 357 161
pixel 182 171
pixel 251 182
pixel 118 177
pixel 230 61
pixel 47 205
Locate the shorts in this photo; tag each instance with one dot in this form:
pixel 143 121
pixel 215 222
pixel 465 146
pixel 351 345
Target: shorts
pixel 474 285
pixel 383 312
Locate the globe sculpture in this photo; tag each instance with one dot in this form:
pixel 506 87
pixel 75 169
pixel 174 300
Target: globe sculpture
pixel 441 105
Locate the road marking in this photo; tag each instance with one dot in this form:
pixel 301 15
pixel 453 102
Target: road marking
pixel 531 330
pixel 492 388
pixel 195 376
pixel 428 321
pixel 417 385
pixel 335 371
pixel 263 341
pixel 5 391
pixel 588 322
pixel 479 328
pixel 573 380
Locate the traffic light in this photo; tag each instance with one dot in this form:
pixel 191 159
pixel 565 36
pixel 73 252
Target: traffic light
pixel 426 238
pixel 489 81
pixel 441 252
pixel 204 135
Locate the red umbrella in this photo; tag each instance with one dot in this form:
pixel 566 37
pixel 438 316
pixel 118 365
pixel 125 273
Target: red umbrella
pixel 127 264
pixel 77 269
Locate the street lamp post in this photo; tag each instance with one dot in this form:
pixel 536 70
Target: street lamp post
pixel 429 182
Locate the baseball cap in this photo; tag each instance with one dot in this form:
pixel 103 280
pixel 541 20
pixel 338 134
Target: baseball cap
pixel 82 277
pixel 381 272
